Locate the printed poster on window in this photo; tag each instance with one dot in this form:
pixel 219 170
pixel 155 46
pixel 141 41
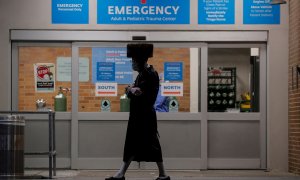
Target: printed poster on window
pixel 111 64
pixel 173 71
pixel 44 75
pixel 172 89
pixel 64 69
pixel 106 89
pixel 261 12
pixel 216 12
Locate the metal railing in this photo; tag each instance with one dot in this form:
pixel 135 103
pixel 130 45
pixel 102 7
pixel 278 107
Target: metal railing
pixel 52 148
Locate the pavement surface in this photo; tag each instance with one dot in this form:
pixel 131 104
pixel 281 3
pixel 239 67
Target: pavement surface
pixel 175 175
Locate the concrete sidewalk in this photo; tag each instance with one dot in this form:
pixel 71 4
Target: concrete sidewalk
pixel 175 175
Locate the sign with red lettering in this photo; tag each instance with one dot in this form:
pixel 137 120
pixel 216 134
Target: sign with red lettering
pixel 172 89
pixel 44 74
pixel 106 89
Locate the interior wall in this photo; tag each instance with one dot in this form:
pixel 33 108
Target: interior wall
pixel 36 14
pixel 235 57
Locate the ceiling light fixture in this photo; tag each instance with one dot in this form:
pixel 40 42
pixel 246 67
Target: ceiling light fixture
pixel 274 2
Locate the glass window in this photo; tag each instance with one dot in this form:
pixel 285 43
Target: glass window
pixel 110 72
pixel 233 80
pixel 40 77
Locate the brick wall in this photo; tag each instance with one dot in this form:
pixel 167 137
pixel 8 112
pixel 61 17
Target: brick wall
pixel 28 56
pixel 294 92
pixel 88 102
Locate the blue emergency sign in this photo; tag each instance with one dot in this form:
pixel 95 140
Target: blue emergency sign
pixel 70 11
pixel 216 12
pixel 261 12
pixel 143 12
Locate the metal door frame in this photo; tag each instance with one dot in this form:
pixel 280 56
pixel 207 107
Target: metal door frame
pixel 260 116
pixel 201 39
pixel 78 163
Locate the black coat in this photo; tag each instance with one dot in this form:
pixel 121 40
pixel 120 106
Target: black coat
pixel 142 136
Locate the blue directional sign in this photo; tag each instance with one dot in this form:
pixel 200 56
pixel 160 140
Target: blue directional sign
pixel 261 12
pixel 173 71
pixel 103 70
pixel 216 12
pixel 143 11
pixel 70 11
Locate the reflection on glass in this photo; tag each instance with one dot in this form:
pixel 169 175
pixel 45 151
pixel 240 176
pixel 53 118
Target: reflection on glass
pixel 90 102
pixel 40 78
pixel 221 82
pixel 233 80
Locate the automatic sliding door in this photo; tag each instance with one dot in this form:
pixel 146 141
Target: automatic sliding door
pixel 108 67
pixel 38 72
pixel 103 109
pixel 236 106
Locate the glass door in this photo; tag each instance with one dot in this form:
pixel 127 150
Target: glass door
pixel 102 107
pixel 216 115
pixel 43 70
pixel 236 106
pixel 38 72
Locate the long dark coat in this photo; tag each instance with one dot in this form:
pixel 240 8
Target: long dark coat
pixel 142 141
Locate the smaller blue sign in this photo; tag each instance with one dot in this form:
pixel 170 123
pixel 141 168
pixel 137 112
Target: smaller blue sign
pixel 261 12
pixel 123 67
pixel 70 11
pixel 216 12
pixel 106 72
pixel 143 12
pixel 173 71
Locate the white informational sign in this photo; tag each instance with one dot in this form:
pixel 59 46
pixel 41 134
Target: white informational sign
pixel 216 11
pixel 173 105
pixel 172 89
pixel 44 76
pixel 105 105
pixel 64 69
pixel 106 89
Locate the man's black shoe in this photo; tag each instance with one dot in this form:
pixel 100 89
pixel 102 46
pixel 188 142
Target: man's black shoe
pixel 164 178
pixel 115 178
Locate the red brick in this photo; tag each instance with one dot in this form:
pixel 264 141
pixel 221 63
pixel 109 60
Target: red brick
pixel 294 96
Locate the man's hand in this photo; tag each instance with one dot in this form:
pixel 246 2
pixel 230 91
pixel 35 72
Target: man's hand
pixel 128 88
pixel 136 91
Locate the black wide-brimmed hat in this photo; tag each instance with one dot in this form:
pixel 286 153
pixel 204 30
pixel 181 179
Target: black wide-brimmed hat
pixel 140 50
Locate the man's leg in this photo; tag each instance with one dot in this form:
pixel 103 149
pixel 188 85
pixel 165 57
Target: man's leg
pixel 161 169
pixel 123 169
